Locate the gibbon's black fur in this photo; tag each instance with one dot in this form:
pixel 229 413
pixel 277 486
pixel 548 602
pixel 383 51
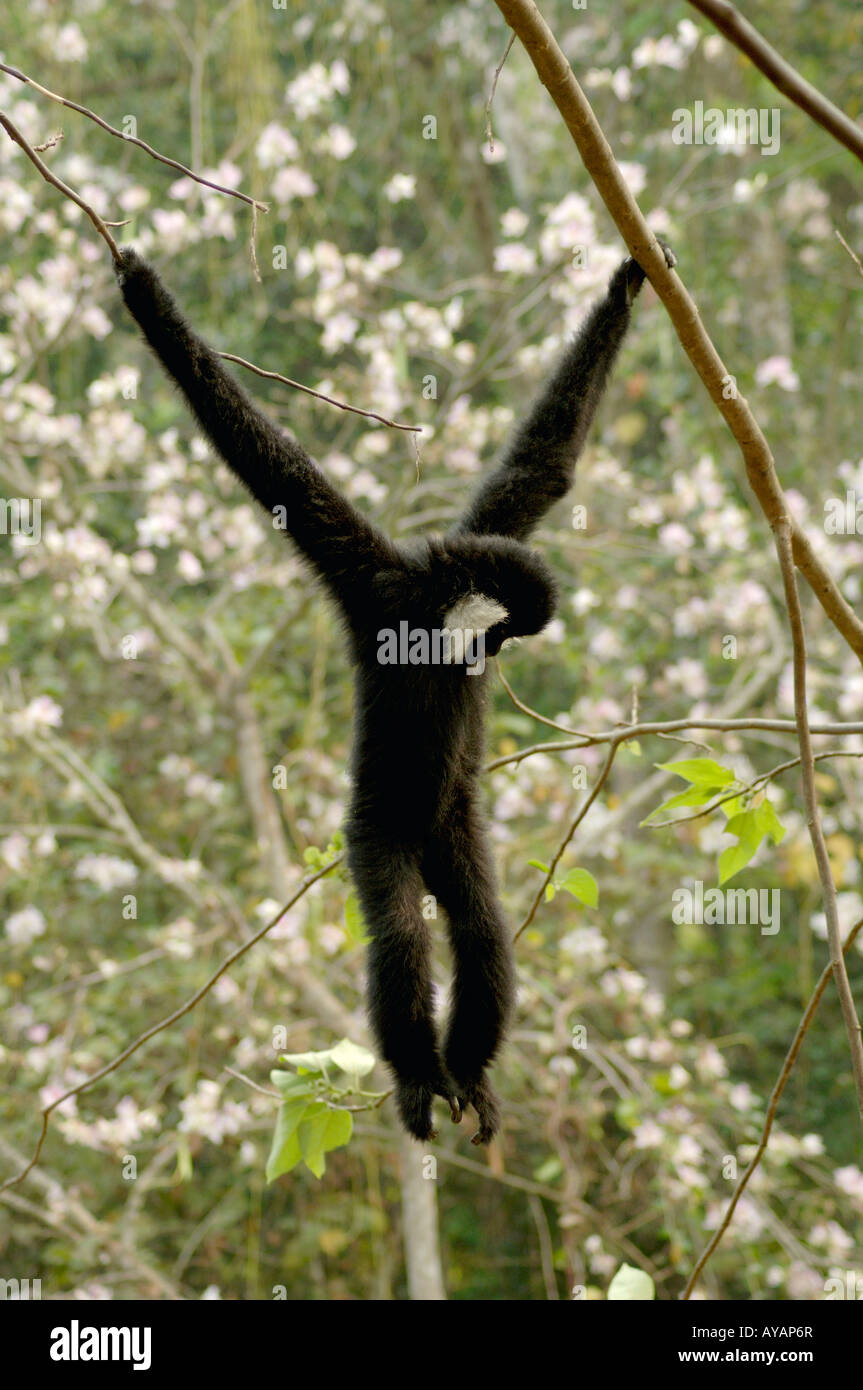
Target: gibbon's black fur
pixel 415 825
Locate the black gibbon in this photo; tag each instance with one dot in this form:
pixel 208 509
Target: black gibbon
pixel 415 825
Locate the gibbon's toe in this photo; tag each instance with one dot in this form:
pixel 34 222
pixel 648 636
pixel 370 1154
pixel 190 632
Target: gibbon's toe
pixel 670 257
pixel 414 1101
pixel 480 1095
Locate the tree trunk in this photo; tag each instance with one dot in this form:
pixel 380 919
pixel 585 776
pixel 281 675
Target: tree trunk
pixel 419 1216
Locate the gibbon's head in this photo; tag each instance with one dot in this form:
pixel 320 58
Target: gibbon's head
pixel 491 585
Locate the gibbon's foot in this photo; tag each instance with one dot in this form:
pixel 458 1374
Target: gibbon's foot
pixel 480 1095
pixel 414 1100
pixel 633 274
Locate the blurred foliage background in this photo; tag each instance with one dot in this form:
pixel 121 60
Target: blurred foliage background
pixel 176 700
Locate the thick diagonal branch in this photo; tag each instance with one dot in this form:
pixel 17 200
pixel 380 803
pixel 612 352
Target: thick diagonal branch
pixel 557 76
pixel 731 24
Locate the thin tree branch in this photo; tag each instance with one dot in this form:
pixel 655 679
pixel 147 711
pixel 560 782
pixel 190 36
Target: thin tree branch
pixel 787 1066
pixel 546 1253
pixel 599 784
pixel 497 72
pixel 855 258
pixel 298 386
pixel 534 714
pixel 731 24
pixel 13 131
pixel 49 143
pixel 132 139
pixel 557 76
pixel 810 796
pixel 102 229
pixel 634 731
pixel 58 1197
pixel 752 786
pixel 165 1022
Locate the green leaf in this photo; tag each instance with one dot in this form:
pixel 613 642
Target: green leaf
pixel 769 823
pixel 537 864
pixel 631 1285
pixel 549 1171
pixel 354 920
pixel 321 1130
pixel 703 772
pixel 745 826
pixel 693 796
pixel 352 1059
pixel 733 859
pixel 582 886
pixel 289 1084
pixel 751 827
pixel 309 1061
pixel 550 891
pixel 285 1151
pixel 628 1112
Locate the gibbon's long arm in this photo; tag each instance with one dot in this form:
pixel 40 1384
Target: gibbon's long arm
pixel 539 466
pixel 342 546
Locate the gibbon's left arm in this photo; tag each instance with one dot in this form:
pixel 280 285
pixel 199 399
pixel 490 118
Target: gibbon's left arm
pixel 539 465
pixel 343 547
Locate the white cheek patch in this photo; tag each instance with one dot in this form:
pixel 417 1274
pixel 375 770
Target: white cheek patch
pixel 476 612
pixel 464 629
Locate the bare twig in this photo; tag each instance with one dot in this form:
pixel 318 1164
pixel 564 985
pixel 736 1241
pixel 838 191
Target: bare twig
pixel 165 1022
pixel 810 796
pixel 546 1251
pixel 102 228
pixel 787 1066
pixel 730 22
pixel 557 76
pixel 635 731
pixel 599 784
pixel 298 386
pixel 132 139
pixel 13 131
pixel 534 714
pixel 49 143
pixel 497 72
pixel 855 258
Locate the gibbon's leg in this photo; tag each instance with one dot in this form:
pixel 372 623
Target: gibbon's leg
pixel 539 465
pixel 389 887
pixel 345 549
pixel 457 868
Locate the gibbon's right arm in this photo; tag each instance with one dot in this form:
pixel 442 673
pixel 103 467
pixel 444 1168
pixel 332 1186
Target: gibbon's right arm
pixel 342 546
pixel 539 466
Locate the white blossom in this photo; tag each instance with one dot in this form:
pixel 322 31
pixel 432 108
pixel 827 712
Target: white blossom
pixel 400 187
pixel 23 927
pixel 41 713
pixel 107 871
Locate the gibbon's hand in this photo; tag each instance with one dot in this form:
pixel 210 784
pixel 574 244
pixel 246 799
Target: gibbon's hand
pixel 127 256
pixel 630 277
pixel 129 262
pixel 634 276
